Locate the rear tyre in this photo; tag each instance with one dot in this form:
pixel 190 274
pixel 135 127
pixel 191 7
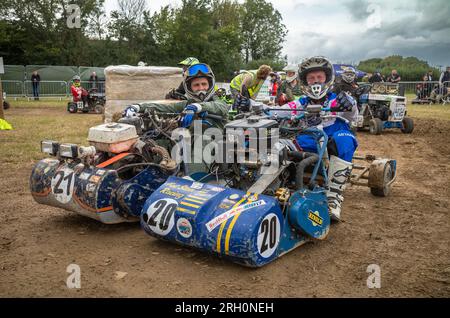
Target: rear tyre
pixel 6 105
pixel 408 125
pixel 386 189
pixel 99 109
pixel 375 126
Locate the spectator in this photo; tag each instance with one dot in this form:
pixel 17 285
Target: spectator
pixel 274 84
pixel 428 77
pixel 444 80
pixel 394 77
pixel 93 80
pixel 35 80
pixel 376 77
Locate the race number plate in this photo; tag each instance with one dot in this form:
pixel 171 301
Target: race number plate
pixel 62 185
pixel 80 105
pixel 399 111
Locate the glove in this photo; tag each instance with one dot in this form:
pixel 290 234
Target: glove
pixel 344 103
pixel 241 103
pixel 188 115
pixel 131 111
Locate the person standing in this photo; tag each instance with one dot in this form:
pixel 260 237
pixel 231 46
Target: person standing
pixel 394 77
pixel 376 78
pixel 93 80
pixel 35 80
pixel 444 81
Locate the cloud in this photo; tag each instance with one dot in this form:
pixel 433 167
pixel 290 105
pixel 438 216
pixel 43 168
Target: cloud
pixel 345 30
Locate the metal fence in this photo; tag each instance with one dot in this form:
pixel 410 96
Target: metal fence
pixel 13 88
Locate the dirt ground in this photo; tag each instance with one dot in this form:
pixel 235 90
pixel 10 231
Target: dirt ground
pixel 406 234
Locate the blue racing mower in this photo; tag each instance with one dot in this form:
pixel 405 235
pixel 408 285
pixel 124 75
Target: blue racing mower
pixel 381 108
pixel 254 210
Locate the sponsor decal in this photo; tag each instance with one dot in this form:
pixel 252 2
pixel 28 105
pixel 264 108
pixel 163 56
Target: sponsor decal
pixel 84 176
pixel 197 185
pixel 100 172
pixel 211 225
pixel 94 179
pixel 233 196
pixel 171 193
pixel 315 218
pixel 184 227
pixel 90 187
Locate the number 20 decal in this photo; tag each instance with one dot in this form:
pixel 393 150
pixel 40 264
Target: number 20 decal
pixel 160 216
pixel 268 235
pixel 62 185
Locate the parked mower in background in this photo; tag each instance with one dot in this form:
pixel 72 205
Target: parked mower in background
pixel 380 108
pixel 94 103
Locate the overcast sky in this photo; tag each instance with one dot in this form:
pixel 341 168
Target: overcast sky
pixel 354 30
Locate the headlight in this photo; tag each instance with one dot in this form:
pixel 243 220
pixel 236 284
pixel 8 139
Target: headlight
pixel 49 147
pixel 68 150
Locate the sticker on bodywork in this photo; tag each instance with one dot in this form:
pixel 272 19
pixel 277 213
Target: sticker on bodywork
pixel 268 235
pixel 184 227
pixel 160 216
pixel 211 225
pixel 62 185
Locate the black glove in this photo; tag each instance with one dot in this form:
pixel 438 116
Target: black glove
pixel 344 103
pixel 241 103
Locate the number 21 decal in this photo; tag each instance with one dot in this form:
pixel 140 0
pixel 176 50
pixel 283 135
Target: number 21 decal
pixel 62 185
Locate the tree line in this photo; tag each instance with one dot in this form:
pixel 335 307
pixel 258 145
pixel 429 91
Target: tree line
pixel 409 68
pixel 226 34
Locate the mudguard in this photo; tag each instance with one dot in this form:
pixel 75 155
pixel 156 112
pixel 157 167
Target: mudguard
pixel 246 228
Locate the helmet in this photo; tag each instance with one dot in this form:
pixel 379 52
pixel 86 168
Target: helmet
pixel 199 70
pixel 189 61
pixel 349 75
pixel 76 80
pixel 316 63
pixel 291 68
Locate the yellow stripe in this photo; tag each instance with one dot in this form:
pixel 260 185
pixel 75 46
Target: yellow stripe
pixel 198 198
pixel 192 200
pixel 230 228
pixel 219 235
pixel 190 205
pixel 186 210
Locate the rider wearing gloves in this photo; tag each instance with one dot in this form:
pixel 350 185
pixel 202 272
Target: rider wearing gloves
pixel 290 88
pixel 347 82
pixel 316 77
pixel 199 86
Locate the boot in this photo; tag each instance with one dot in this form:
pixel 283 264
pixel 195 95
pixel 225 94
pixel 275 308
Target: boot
pixel 338 173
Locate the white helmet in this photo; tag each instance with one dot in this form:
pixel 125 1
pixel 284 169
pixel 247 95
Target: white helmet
pixel 316 63
pixel 349 75
pixel 291 68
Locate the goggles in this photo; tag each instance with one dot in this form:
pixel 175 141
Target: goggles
pixel 198 68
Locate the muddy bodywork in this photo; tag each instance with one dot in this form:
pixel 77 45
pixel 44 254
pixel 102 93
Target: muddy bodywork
pixel 92 191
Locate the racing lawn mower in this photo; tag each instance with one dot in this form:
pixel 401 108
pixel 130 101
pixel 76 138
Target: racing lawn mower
pixel 256 209
pixel 109 180
pixel 381 108
pixel 95 103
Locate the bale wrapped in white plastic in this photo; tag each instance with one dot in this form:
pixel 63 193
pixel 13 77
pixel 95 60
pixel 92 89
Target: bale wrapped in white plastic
pixel 125 85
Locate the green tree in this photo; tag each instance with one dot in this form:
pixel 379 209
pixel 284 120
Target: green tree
pixel 263 30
